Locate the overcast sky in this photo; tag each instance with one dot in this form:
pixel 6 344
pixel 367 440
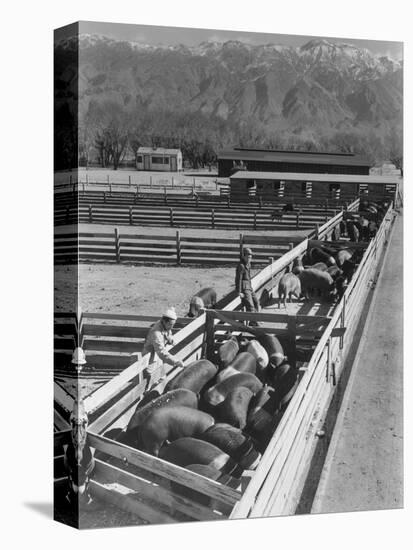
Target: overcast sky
pixel 192 36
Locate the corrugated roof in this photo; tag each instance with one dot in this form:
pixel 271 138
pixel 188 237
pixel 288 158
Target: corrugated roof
pixel 330 178
pixel 343 159
pixel 158 150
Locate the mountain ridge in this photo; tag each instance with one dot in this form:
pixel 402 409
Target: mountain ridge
pixel 308 93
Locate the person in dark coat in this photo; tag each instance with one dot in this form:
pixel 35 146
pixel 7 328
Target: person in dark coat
pixel 243 282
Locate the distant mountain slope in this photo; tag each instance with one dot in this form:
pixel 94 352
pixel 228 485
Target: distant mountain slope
pixel 316 90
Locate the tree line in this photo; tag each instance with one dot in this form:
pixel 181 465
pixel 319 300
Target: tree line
pixel 107 131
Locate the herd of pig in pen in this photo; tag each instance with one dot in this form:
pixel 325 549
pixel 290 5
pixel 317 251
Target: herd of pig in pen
pixel 216 417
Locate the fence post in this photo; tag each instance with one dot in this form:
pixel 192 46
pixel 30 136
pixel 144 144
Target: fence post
pixel 130 181
pixel 172 181
pixel 90 214
pixel 130 215
pixel 255 219
pixel 117 245
pixel 178 248
pixel 104 197
pixel 213 218
pixel 87 178
pixel 343 320
pixel 209 335
pixel 171 217
pixel 110 187
pixel 241 244
pixel 316 232
pixel 194 182
pixel 260 201
pixel 229 201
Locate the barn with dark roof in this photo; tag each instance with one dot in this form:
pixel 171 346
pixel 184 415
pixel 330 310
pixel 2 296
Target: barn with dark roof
pixel 266 160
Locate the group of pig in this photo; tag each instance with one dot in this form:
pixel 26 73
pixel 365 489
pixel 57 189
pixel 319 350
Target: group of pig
pixel 326 271
pixel 216 417
pixel 322 272
pixel 362 226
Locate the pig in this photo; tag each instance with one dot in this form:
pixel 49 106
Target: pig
pixel 349 267
pixel 261 356
pixel 284 382
pixel 228 351
pixel 341 286
pixel 343 255
pixel 319 255
pixel 297 266
pixel 219 392
pixel 353 231
pixel 243 362
pixel 334 271
pixel 233 442
pixel 204 298
pixel 312 279
pixel 272 346
pixel 321 266
pixel 288 286
pixel 182 397
pixel 188 450
pixel 171 423
pixel 261 416
pixel 194 376
pixel 233 410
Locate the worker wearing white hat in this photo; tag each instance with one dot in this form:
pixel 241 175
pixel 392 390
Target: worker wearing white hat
pixel 158 337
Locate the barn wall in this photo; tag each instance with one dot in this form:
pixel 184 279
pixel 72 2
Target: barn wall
pixel 225 167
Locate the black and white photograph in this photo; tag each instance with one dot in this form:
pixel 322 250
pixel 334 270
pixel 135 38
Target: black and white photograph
pixel 228 226
pixel 206 274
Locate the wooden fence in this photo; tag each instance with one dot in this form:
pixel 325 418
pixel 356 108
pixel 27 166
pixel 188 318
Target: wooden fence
pixel 112 342
pixel 274 488
pixel 261 219
pixel 277 484
pixel 116 247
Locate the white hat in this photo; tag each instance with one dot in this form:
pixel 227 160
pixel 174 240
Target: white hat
pixel 170 313
pixel 78 357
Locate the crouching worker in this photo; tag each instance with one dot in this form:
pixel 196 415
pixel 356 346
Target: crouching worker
pixel 243 283
pixel 157 340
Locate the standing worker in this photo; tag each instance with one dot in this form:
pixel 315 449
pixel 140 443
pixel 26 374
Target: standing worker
pixel 158 337
pixel 243 282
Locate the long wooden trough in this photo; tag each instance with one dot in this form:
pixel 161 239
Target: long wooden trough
pixel 157 491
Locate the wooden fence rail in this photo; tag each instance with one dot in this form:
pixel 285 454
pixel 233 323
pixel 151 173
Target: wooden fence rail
pixel 116 247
